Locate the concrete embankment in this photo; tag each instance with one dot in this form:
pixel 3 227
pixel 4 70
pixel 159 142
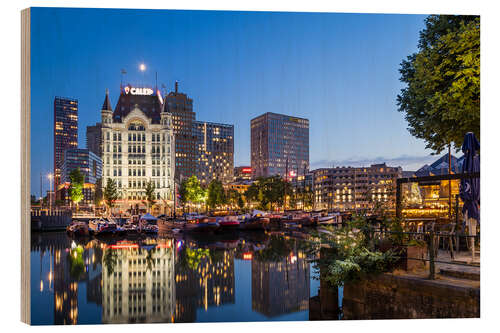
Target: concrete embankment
pixel 405 296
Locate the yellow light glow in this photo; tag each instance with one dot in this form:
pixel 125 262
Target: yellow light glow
pixel 142 67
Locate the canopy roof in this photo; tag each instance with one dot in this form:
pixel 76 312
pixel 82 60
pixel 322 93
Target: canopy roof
pixel 148 217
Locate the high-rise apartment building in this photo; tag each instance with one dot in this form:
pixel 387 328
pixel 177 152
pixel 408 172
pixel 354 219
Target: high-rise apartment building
pixel 279 143
pixel 180 106
pixel 138 145
pixel 65 131
pixel 214 152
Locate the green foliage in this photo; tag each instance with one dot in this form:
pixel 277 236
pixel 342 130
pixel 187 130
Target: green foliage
pixel 191 191
pixel 150 193
pixel 441 100
pixel 76 187
pixel 216 195
pixel 77 266
pixel 241 202
pixel 195 256
pixel 233 198
pixel 358 266
pixel 268 192
pixel 111 193
pixel 351 254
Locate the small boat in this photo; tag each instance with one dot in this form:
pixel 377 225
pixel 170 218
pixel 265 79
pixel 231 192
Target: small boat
pixel 303 219
pixel 108 228
pixel 78 228
pixel 255 223
pixel 229 222
pixel 150 229
pixel 129 228
pixel 205 225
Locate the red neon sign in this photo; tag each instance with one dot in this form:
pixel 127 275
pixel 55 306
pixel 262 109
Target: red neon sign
pixel 247 256
pixel 246 170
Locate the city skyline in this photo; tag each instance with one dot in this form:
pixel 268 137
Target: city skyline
pixel 231 81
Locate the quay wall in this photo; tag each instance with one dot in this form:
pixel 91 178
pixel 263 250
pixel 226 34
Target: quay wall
pixel 43 220
pixel 390 296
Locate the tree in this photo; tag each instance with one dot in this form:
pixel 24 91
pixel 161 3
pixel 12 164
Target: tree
pixel 268 191
pixel 441 99
pixel 241 202
pixel 150 194
pixel 76 187
pixel 216 195
pixel 111 193
pixel 98 195
pixel 191 191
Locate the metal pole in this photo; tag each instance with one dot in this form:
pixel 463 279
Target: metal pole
pixel 432 268
pixel 449 182
pixel 398 199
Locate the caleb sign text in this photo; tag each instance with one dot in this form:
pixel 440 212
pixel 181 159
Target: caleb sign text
pixel 138 91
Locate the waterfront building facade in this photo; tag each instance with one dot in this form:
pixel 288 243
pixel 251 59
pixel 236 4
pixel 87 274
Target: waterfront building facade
pixel 279 144
pixel 65 131
pixel 214 152
pixel 94 139
pixel 138 146
pixel 242 173
pixel 351 188
pixel 180 106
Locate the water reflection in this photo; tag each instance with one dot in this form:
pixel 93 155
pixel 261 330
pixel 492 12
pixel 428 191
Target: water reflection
pixel 169 280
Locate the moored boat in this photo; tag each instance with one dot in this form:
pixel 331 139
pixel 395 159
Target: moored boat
pixel 229 222
pixel 203 225
pixel 78 228
pixel 255 223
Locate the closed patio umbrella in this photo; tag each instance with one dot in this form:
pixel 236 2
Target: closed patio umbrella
pixel 469 187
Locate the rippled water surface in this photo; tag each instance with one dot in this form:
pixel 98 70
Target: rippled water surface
pixel 230 277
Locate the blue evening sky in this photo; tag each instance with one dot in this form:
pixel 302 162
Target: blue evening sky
pixel 338 70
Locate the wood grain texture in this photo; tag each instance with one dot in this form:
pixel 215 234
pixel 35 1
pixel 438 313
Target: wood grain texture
pixel 25 164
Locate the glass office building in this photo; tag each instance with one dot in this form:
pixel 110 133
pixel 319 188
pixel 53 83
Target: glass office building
pixel 279 144
pixel 65 131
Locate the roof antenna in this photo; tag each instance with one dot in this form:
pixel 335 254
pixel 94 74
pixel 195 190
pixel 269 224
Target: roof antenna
pixel 176 86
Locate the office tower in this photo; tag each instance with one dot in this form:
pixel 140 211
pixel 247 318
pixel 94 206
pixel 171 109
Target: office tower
pixel 94 139
pixel 214 152
pixel 180 106
pixel 279 144
pixel 89 164
pixel 65 131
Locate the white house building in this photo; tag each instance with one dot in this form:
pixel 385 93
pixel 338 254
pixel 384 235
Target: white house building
pixel 138 147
